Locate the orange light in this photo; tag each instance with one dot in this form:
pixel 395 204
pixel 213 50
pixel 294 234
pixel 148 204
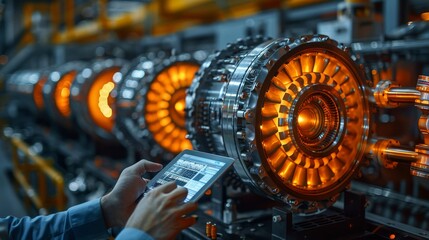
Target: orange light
pixel 100 101
pixel 307 119
pixel 300 127
pixel 425 16
pixel 208 192
pixel 103 99
pixel 180 106
pixel 62 93
pixel 165 107
pixel 38 94
pixel 392 236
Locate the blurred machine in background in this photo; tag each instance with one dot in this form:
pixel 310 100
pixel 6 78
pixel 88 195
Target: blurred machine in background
pixel 323 106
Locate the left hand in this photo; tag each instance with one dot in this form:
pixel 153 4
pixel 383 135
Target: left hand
pixel 118 204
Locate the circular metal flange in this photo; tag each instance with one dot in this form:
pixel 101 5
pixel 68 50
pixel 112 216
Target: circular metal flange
pixel 91 101
pixel 56 92
pixel 206 96
pixel 294 114
pixel 151 103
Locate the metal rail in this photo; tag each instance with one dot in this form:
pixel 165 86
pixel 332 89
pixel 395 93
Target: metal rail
pixel 26 163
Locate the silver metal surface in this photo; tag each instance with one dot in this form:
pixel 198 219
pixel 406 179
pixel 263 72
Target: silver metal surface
pixel 21 85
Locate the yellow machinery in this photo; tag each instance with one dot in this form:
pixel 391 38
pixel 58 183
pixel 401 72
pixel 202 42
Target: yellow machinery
pixel 25 163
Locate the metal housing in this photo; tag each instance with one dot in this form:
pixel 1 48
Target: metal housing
pixel 228 116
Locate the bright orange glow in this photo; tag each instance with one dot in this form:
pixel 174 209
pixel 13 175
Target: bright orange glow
pixel 100 101
pixel 307 119
pixel 165 107
pixel 38 94
pixel 103 99
pixel 392 236
pixel 180 106
pixel 308 163
pixel 62 93
pixel 425 16
pixel 208 192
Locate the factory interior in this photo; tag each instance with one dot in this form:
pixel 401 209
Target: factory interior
pixel 320 103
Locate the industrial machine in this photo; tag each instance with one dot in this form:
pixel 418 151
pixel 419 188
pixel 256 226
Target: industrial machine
pixel 296 114
pixel 151 105
pixel 328 127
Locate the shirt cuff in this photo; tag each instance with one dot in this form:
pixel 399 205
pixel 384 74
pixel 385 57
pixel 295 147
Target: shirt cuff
pixel 133 233
pixel 87 221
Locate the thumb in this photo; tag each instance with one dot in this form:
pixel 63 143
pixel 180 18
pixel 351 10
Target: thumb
pixel 142 166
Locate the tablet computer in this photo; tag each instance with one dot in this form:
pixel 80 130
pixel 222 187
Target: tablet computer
pixel 194 170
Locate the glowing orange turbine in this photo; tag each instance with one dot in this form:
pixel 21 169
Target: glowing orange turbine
pixel 302 129
pixel 62 93
pixel 165 108
pixel 100 100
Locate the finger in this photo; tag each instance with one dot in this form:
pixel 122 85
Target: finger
pixel 178 195
pixel 144 165
pixel 186 208
pixel 145 180
pixel 142 186
pixel 165 188
pixel 187 222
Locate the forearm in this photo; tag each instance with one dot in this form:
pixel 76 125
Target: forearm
pixel 83 221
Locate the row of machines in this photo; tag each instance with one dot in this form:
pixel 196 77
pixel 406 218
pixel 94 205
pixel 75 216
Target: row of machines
pixel 297 114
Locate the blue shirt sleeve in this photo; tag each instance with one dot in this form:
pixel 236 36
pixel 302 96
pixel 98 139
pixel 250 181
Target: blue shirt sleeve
pixel 132 234
pixel 84 221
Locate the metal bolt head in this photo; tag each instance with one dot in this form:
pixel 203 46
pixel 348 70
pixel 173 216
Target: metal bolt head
pixel 277 218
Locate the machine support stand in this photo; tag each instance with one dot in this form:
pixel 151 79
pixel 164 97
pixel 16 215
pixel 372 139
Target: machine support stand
pixel 330 224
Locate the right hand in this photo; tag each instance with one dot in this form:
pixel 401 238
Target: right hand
pixel 160 213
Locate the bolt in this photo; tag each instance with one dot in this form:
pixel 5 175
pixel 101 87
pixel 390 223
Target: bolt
pixel 258 85
pixel 277 218
pixel 243 95
pixel 252 73
pixel 248 114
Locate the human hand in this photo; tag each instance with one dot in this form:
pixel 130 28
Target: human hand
pixel 118 204
pixel 161 212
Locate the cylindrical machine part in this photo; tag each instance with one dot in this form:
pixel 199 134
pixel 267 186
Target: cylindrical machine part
pixel 402 95
pixel 91 101
pixel 401 155
pixel 293 112
pixel 25 90
pixel 56 92
pixel 387 95
pixel 151 105
pixel 387 153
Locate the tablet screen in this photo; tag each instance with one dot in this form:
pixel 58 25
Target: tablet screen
pixel 194 170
